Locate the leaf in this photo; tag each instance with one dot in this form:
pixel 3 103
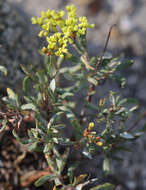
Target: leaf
pixel 119 79
pixel 71 169
pixel 44 179
pixel 4 122
pixel 3 69
pixel 87 153
pixel 29 106
pixel 71 116
pixel 22 141
pixel 125 65
pixel 133 108
pixel 121 110
pixel 26 84
pixel 80 178
pixel 52 163
pixel 66 94
pixel 58 159
pixel 33 146
pixel 67 76
pixel 126 135
pixel 54 188
pixel 106 166
pixel 138 134
pixel 65 157
pixel 50 67
pixel 13 96
pixel 105 186
pixel 51 122
pixel 79 187
pixel 42 78
pixel 52 85
pixel 144 128
pixel 132 101
pixel 47 148
pixel 24 69
pixel 70 70
pixel 92 106
pixel 87 182
pixel 11 93
pixel 92 81
pixel 121 102
pixel 64 141
pixel 74 59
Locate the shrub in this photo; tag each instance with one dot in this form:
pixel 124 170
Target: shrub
pixel 99 125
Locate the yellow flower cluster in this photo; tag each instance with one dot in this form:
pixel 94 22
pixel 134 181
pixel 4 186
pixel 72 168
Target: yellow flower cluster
pixel 91 135
pixel 60 32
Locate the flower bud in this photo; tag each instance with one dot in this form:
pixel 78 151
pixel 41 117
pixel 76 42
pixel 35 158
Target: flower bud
pixel 90 126
pixel 99 143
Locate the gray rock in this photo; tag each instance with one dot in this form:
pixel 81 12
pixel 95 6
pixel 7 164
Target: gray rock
pixel 129 15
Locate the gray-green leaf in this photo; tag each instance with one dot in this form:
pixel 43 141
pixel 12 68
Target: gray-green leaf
pixel 3 69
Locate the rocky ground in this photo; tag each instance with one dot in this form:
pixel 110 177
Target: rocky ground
pixel 19 45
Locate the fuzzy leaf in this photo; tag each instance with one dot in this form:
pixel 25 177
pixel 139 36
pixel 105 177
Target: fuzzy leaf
pixel 33 146
pixel 22 141
pixel 50 67
pixel 71 169
pixel 3 122
pixel 125 65
pixel 3 69
pixel 52 85
pixel 44 179
pixel 105 186
pixel 106 166
pixel 92 81
pixel 75 59
pixel 29 106
pixel 144 128
pixel 13 96
pixel 86 153
pixel 46 148
pixel 26 84
pixel 126 135
pixel 24 69
pixel 80 178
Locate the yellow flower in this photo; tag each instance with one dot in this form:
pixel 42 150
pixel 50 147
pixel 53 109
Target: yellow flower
pixel 44 50
pixel 43 14
pixel 33 20
pixel 99 143
pixel 46 34
pixel 58 31
pixel 41 33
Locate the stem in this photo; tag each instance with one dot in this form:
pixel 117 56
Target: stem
pixel 92 86
pixel 105 47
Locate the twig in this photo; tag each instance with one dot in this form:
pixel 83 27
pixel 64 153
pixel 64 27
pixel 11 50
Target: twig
pixel 92 86
pixel 105 47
